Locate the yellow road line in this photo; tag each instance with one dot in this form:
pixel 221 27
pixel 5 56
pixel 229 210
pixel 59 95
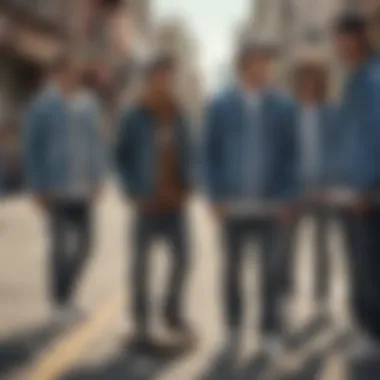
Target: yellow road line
pixel 67 351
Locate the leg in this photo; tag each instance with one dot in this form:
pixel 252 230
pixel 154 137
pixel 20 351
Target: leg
pixel 322 258
pixel 176 235
pixel 80 217
pixel 356 234
pixel 140 272
pixel 272 275
pixel 369 309
pixel 232 287
pixel 288 244
pixel 59 275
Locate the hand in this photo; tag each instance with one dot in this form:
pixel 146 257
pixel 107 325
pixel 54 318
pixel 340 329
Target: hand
pixel 42 201
pixel 96 194
pixel 285 214
pixel 360 206
pixel 219 211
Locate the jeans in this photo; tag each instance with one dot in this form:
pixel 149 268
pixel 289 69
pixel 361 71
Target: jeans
pixel 266 233
pixel 322 263
pixel 363 248
pixel 70 223
pixel 172 229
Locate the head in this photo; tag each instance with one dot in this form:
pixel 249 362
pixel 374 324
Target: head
pixel 66 72
pixel 311 82
pixel 160 76
pixel 254 65
pixel 373 29
pixel 351 39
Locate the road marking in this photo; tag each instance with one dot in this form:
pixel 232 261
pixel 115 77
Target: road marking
pixel 336 369
pixel 67 350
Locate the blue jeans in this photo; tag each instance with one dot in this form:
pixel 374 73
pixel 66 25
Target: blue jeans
pixel 363 251
pixel 267 234
pixel 67 219
pixel 172 229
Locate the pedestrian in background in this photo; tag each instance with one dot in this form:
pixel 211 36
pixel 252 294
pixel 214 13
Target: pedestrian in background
pixel 359 172
pixel 153 155
pixel 64 166
pixel 317 134
pixel 250 159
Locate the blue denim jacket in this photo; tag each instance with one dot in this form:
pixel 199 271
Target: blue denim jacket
pixel 48 148
pixel 359 118
pixel 328 139
pixel 136 151
pixel 222 147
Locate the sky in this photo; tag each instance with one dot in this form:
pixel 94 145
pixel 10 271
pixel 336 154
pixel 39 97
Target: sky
pixel 213 22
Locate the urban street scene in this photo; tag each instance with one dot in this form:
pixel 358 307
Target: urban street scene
pixel 189 190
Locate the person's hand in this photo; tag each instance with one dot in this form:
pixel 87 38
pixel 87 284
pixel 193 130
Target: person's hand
pixel 42 201
pixel 285 214
pixel 219 211
pixel 145 204
pixel 96 194
pixel 360 206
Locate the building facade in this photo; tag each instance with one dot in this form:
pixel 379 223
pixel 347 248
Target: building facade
pixel 173 37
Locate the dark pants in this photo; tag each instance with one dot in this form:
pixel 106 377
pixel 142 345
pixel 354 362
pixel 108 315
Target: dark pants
pixel 363 249
pixel 71 234
pixel 266 233
pixel 172 229
pixel 322 262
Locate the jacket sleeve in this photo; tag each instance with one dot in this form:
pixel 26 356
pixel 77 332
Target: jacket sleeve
pixel 211 152
pixel 124 153
pixel 370 123
pixel 99 161
pixel 290 188
pixel 34 141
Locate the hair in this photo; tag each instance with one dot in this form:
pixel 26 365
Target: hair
pixel 317 72
pixel 249 49
pixel 350 23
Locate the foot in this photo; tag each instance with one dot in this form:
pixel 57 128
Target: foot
pixel 140 342
pixel 182 332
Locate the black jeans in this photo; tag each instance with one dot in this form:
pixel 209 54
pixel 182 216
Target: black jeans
pixel 322 264
pixel 172 229
pixel 235 234
pixel 363 250
pixel 71 236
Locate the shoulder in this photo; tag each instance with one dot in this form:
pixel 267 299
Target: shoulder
pixel 283 100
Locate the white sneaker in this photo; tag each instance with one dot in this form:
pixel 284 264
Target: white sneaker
pixel 273 347
pixel 364 348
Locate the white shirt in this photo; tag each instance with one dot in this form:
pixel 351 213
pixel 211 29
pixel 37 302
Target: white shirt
pixel 310 144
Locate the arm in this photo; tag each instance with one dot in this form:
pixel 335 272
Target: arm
pixel 124 153
pixel 290 186
pixel 34 149
pixel 211 160
pixel 97 146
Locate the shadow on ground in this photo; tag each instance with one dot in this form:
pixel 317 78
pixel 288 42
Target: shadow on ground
pixel 19 349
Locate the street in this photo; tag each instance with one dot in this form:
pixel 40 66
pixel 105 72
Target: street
pixel 31 347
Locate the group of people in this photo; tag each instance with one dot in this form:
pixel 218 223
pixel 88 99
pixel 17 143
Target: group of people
pixel 265 159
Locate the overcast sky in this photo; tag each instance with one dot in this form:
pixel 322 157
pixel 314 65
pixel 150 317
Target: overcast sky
pixel 213 22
